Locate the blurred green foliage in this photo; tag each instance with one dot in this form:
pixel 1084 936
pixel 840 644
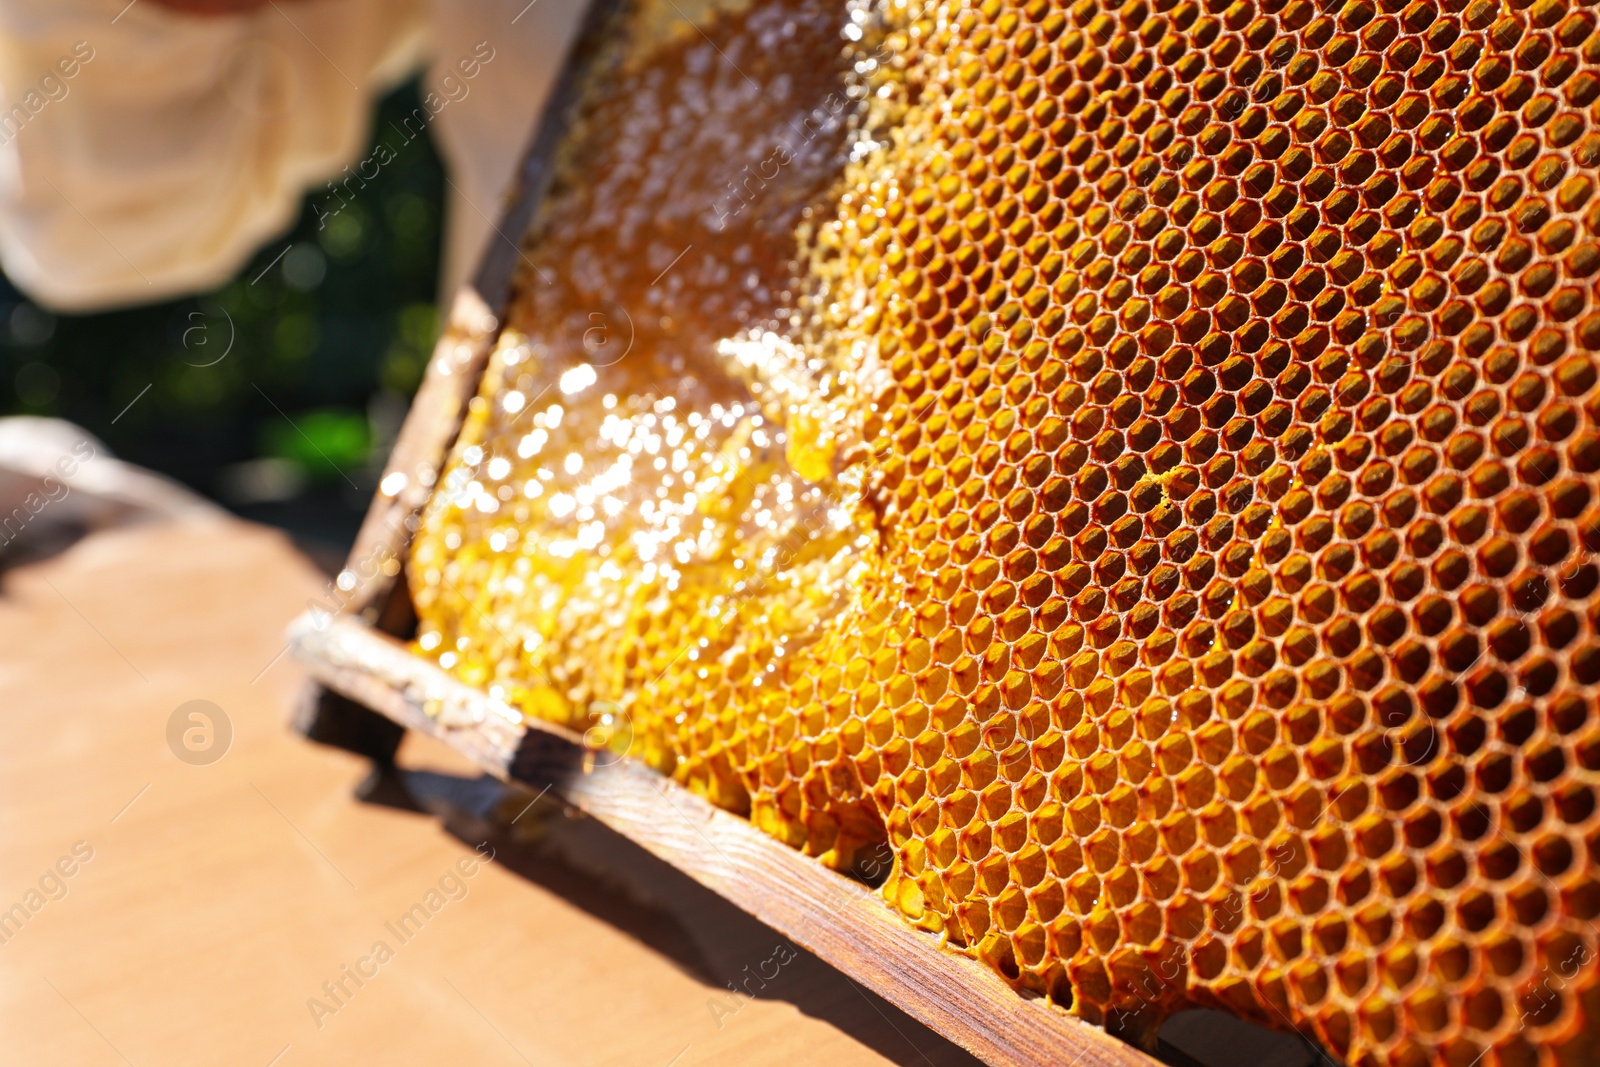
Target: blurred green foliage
pixel 326 334
pixel 321 444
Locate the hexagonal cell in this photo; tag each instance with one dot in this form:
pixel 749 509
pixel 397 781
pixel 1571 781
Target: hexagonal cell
pixel 1142 469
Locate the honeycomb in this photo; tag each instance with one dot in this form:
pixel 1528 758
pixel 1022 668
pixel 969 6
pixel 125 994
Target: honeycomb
pixel 1136 463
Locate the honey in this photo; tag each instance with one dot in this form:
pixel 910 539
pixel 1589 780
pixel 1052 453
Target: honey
pixel 1137 464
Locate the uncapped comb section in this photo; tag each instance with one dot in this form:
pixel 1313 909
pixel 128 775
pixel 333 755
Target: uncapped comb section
pixel 1138 464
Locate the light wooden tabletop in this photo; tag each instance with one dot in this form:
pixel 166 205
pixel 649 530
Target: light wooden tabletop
pixel 232 911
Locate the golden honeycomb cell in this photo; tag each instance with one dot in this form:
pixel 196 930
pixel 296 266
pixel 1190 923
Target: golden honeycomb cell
pixel 1138 464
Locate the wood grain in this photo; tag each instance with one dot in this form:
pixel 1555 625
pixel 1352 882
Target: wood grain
pixel 429 430
pixel 840 920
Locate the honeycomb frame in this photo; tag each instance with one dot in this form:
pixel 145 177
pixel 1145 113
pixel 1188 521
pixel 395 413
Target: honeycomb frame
pixel 1268 680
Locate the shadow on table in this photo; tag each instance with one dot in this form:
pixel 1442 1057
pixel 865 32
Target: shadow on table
pixel 712 940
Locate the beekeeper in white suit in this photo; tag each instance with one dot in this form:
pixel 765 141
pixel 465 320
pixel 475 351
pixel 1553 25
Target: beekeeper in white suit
pixel 148 149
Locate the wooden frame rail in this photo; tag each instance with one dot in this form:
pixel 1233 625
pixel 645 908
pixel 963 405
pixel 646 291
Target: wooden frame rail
pixel 840 920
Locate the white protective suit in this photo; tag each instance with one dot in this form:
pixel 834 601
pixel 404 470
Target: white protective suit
pixel 146 154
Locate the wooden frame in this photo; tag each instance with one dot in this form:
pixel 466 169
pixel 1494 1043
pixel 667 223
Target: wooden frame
pixel 350 645
pixel 838 919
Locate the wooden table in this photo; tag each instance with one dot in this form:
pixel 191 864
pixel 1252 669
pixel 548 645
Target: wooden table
pixel 220 898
